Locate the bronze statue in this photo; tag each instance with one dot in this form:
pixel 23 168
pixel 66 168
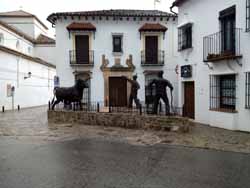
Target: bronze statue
pixel 69 94
pixel 161 92
pixel 135 86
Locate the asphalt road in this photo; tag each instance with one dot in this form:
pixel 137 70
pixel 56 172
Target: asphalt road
pixel 99 163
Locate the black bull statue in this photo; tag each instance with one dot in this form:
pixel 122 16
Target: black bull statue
pixel 69 94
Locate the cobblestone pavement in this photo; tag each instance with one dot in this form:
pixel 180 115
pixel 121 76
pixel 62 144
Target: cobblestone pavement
pixel 30 125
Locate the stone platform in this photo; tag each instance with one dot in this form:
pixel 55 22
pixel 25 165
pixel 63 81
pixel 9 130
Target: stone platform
pixel 124 120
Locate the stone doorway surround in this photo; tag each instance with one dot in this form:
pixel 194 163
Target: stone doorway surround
pixel 117 70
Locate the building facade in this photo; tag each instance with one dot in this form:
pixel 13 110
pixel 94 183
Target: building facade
pixel 26 61
pixel 103 46
pixel 213 44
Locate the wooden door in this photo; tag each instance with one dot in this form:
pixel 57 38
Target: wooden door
pixel 189 100
pixel 82 49
pixel 151 49
pixel 117 91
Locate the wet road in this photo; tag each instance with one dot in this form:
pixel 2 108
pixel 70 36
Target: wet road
pixel 100 163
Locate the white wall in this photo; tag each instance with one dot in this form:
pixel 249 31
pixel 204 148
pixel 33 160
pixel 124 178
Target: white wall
pixel 102 44
pixel 33 91
pixel 46 52
pixel 10 41
pixel 204 14
pixel 29 26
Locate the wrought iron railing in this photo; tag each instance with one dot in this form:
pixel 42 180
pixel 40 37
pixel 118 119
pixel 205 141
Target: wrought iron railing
pixel 247 91
pixel 248 15
pixel 103 107
pixel 78 58
pixel 152 58
pixel 222 45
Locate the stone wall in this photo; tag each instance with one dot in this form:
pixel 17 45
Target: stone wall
pixel 124 120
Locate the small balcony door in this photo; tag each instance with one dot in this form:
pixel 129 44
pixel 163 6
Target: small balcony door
pixel 82 49
pixel 227 19
pixel 151 49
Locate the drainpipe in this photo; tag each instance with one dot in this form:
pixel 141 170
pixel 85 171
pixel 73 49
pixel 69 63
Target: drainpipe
pixel 171 10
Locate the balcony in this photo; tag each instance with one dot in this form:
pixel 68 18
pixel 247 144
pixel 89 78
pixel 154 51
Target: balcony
pixel 151 58
pixel 81 59
pixel 222 46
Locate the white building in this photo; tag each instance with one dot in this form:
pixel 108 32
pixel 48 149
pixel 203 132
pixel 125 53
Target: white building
pixel 214 56
pixel 105 45
pixel 26 61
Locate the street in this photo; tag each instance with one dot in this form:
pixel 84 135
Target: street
pixel 34 155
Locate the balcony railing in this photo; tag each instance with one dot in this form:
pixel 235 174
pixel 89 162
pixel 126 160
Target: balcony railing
pixel 222 45
pixel 77 58
pixel 152 58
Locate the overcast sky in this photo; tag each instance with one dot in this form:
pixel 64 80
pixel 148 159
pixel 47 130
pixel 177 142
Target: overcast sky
pixel 42 8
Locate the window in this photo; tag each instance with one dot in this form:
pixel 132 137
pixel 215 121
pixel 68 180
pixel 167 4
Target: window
pixel 1 39
pixel 117 43
pixel 248 16
pixel 18 44
pixel 86 96
pixel 185 37
pixel 248 90
pixel 223 93
pixel 227 19
pixel 150 91
pixel 29 50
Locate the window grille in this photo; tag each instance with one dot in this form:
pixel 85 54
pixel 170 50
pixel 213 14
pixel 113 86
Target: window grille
pixel 185 37
pixel 150 91
pixel 248 90
pixel 86 97
pixel 223 93
pixel 248 15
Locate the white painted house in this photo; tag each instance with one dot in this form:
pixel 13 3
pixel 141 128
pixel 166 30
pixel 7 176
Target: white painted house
pixel 214 56
pixel 26 61
pixel 103 46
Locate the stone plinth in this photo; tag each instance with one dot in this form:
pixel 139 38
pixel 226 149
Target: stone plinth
pixel 124 120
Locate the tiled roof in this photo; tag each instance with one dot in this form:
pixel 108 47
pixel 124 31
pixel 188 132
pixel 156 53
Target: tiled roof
pixel 17 31
pixel 81 26
pixel 118 12
pixel 25 56
pixel 42 39
pixel 21 14
pixel 153 27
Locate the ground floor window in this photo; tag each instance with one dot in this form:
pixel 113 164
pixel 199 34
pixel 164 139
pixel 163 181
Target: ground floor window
pixel 86 92
pixel 223 93
pixel 248 90
pixel 150 91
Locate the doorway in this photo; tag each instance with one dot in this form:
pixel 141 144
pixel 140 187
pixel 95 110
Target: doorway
pixel 151 49
pixel 189 100
pixel 82 49
pixel 117 91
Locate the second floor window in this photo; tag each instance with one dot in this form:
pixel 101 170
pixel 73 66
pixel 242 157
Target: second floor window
pixel 1 39
pixel 117 43
pixel 185 37
pixel 248 16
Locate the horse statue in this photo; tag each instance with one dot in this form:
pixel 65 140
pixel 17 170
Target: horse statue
pixel 69 94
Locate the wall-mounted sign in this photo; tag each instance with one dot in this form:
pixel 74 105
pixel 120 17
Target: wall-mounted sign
pixel 56 81
pixel 10 90
pixel 186 71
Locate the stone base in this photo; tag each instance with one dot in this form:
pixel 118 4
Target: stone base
pixel 124 120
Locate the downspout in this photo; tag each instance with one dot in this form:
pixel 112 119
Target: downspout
pixel 171 10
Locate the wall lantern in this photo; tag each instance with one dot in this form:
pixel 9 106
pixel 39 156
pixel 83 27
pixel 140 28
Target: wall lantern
pixel 28 76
